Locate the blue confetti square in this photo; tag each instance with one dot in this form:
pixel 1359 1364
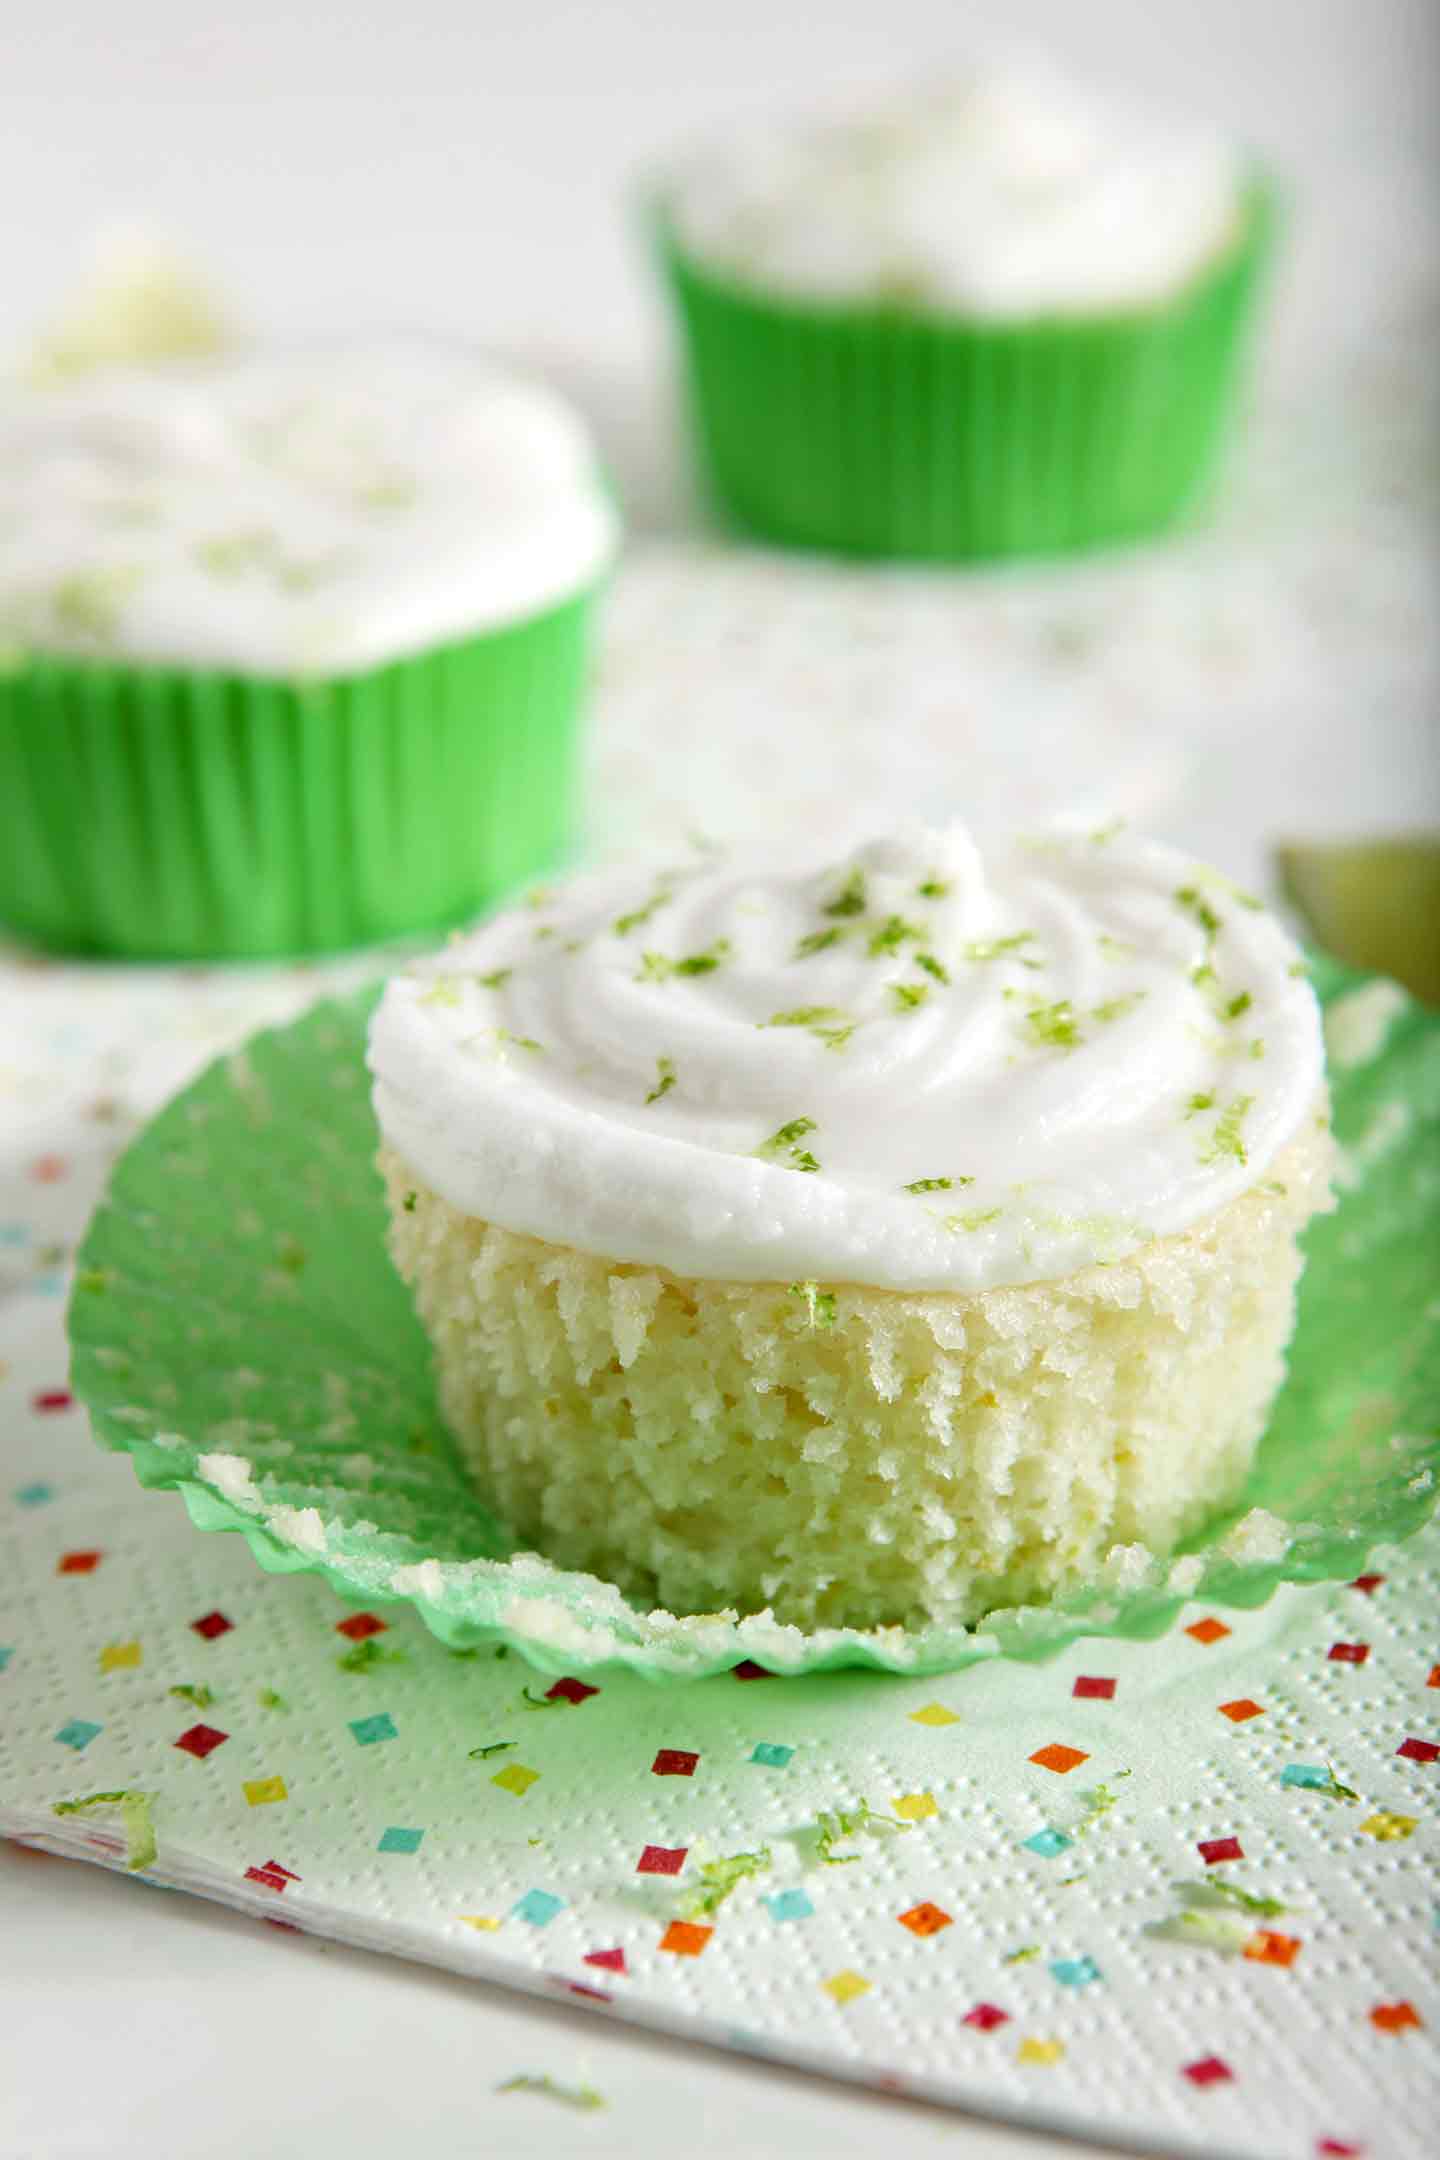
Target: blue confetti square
pixel 1075 1972
pixel 539 1907
pixel 407 1841
pixel 1307 1774
pixel 35 1495
pixel 773 1754
pixel 5 1657
pixel 14 1233
pixel 789 1905
pixel 1048 1843
pixel 368 1730
pixel 77 1732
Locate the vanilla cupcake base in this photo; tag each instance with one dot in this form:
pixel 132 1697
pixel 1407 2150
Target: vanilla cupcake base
pixel 854 1457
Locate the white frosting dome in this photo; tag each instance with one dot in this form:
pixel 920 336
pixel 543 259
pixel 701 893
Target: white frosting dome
pixel 915 1070
pixel 311 510
pixel 1007 192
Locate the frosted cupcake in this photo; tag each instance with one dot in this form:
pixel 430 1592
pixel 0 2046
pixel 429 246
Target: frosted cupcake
pixel 998 316
pixel 293 646
pixel 882 1244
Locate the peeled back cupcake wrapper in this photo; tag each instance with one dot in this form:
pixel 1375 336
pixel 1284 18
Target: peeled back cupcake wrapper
pixel 884 430
pixel 197 813
pixel 237 1327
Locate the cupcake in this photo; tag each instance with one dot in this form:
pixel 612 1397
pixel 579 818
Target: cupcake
pixel 879 1244
pixel 1000 316
pixel 293 646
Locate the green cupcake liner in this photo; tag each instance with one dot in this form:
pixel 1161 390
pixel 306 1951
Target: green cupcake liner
pixel 237 1328
pixel 168 813
pixel 879 430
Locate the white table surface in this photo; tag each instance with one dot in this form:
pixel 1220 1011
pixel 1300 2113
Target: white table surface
pixel 464 167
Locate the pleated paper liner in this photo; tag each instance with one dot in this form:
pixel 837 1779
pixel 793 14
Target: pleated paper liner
pixel 237 1327
pixel 159 812
pixel 881 430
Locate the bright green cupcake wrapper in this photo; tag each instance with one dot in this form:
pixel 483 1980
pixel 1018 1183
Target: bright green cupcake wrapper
pixel 189 813
pixel 236 1326
pixel 880 430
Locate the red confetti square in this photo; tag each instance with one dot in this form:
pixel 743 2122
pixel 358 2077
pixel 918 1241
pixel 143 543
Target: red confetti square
pixel 571 1691
pixel 674 1762
pixel 985 2017
pixel 1212 1850
pixel 575 1987
pixel 1338 2149
pixel 360 1625
pixel 1266 1947
pixel 1208 1631
pixel 48 1169
pixel 201 1740
pixel 607 1960
pixel 78 1563
pixel 661 1860
pixel 924 1919
pixel 686 1938
pixel 1395 2017
pixel 1059 1758
pixel 211 1624
pixel 747 1669
pixel 1348 1653
pixel 1418 1750
pixel 272 1875
pixel 1241 1710
pixel 1090 1689
pixel 1209 2070
pixel 51 1398
pixel 1368 1583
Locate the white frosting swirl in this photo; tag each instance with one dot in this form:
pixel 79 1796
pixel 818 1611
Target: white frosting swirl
pixel 317 510
pixel 1007 192
pixel 914 1070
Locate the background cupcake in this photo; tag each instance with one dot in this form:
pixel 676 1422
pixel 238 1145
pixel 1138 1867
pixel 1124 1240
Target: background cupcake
pixel 1001 316
pixel 294 645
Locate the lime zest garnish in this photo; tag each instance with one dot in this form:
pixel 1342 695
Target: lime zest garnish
pixel 134 1814
pixel 934 967
pixel 624 924
pixel 720 1878
pixel 802 1016
pixel 1225 1136
pixel 935 1184
pixel 87 604
pixel 786 1142
pixel 850 900
pixel 817 941
pixel 521 1042
pixel 496 979
pixel 1117 1007
pixel 997 948
pixel 1235 1006
pixel 892 934
pixel 664 1079
pixel 819 1303
pixel 1198 907
pixel 833 1825
pixel 909 995
pixel 975 1220
pixel 1055 1025
pixel 1197 1103
pixel 658 966
pixel 934 888
pixel 408 1203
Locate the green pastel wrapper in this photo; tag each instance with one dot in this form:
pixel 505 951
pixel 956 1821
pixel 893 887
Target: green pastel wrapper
pixel 191 813
pixel 234 1305
pixel 879 429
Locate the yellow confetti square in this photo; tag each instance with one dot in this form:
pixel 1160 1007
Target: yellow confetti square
pixel 515 1778
pixel 915 1806
pixel 120 1656
pixel 1040 2051
pixel 259 1791
pixel 1387 1827
pixel 484 1921
pixel 934 1713
pixel 845 1986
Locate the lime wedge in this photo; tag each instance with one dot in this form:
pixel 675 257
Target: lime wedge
pixel 1372 903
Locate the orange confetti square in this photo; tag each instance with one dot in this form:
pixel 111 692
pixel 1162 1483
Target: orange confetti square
pixel 686 1938
pixel 1395 2017
pixel 1059 1758
pixel 1267 1947
pixel 260 1791
pixel 1434 1679
pixel 846 1986
pixel 1207 1631
pixel 1241 1710
pixel 121 1656
pixel 924 1919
